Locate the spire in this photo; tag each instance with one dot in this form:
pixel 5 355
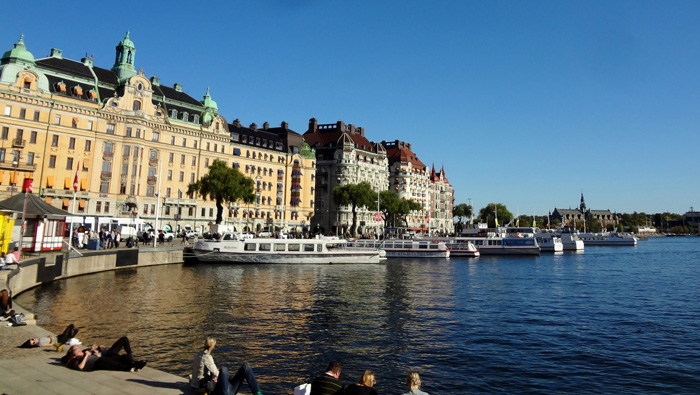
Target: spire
pixel 124 59
pixel 582 207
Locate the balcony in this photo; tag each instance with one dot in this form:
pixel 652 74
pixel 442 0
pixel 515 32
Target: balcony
pixel 18 143
pixel 152 162
pixel 152 180
pixel 108 156
pixel 105 175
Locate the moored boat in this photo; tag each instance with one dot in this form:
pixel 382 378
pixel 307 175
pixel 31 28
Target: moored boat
pixel 233 248
pixel 570 239
pixel 406 248
pixel 608 239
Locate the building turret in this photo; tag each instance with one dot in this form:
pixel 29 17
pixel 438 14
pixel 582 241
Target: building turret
pixel 210 108
pixel 18 54
pixel 124 60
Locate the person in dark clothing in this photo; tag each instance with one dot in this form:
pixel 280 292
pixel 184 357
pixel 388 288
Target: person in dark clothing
pixel 6 304
pixel 363 386
pixel 328 383
pixel 102 358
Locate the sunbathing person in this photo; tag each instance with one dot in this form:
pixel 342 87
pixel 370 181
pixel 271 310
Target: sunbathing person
pixel 50 341
pixel 205 374
pixel 102 358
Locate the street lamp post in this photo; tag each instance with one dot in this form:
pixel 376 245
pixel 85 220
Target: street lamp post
pixel 177 215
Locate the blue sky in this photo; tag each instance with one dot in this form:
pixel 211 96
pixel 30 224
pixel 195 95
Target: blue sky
pixel 528 104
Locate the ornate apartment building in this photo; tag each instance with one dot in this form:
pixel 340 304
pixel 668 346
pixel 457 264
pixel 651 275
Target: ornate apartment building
pixel 134 145
pixel 345 156
pixel 411 179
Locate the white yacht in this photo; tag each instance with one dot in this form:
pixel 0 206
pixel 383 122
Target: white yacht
pixel 608 239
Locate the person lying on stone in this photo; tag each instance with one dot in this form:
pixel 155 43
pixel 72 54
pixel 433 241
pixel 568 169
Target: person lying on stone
pixel 102 358
pixel 50 341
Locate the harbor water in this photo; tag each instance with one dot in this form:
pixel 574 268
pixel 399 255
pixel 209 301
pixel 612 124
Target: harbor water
pixel 607 320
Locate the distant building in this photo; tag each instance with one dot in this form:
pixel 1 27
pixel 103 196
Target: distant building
pixel 345 156
pixel 573 216
pixel 692 219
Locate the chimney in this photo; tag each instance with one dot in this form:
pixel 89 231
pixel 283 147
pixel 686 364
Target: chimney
pixel 253 126
pixel 266 126
pixel 285 125
pixel 155 81
pixel 56 53
pixel 178 87
pixel 313 125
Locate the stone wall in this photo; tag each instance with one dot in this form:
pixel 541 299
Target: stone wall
pixel 49 267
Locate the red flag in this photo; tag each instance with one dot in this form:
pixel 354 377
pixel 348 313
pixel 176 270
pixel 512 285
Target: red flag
pixel 427 218
pixel 75 181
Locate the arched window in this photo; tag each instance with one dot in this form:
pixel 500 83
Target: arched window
pixel 173 114
pixel 185 116
pixel 137 105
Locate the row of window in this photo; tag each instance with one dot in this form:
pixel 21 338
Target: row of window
pixel 75 122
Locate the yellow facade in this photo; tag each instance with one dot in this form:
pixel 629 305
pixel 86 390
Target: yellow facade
pixel 133 156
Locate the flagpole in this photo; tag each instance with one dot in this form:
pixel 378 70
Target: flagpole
pixel 155 233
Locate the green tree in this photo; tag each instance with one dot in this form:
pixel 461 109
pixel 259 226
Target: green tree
pixel 487 214
pixel 357 196
pixel 593 226
pixel 460 212
pixel 223 184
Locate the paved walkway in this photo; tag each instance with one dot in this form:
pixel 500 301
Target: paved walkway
pixel 37 371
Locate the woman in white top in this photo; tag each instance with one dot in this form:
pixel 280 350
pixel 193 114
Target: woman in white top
pixel 206 375
pixel 413 383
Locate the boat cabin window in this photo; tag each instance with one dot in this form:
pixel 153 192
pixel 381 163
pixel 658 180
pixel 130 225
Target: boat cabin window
pixel 265 247
pixel 424 246
pixel 308 247
pixel 293 247
pixel 249 247
pixel 434 246
pixel 279 247
pixel 319 247
pixel 227 236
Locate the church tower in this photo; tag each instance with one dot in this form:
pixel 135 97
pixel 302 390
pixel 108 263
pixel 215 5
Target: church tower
pixel 124 60
pixel 583 204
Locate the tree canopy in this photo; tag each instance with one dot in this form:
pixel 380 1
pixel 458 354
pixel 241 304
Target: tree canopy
pixel 487 214
pixel 357 196
pixel 392 206
pixel 223 184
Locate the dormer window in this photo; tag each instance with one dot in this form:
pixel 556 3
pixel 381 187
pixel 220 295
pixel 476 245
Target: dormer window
pixel 195 118
pixel 61 87
pixel 173 114
pixel 77 90
pixel 185 116
pixel 92 95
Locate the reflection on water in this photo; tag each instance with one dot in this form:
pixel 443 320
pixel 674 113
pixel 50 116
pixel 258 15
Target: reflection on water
pixel 608 320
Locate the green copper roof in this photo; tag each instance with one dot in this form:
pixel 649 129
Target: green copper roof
pixel 208 103
pixel 126 42
pixel 19 54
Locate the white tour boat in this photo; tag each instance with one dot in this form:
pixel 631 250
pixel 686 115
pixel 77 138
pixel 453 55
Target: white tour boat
pixel 549 242
pixel 233 248
pixel 570 239
pixel 491 241
pixel 608 239
pixel 408 248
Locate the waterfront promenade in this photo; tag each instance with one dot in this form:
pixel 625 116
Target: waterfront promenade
pixel 38 370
